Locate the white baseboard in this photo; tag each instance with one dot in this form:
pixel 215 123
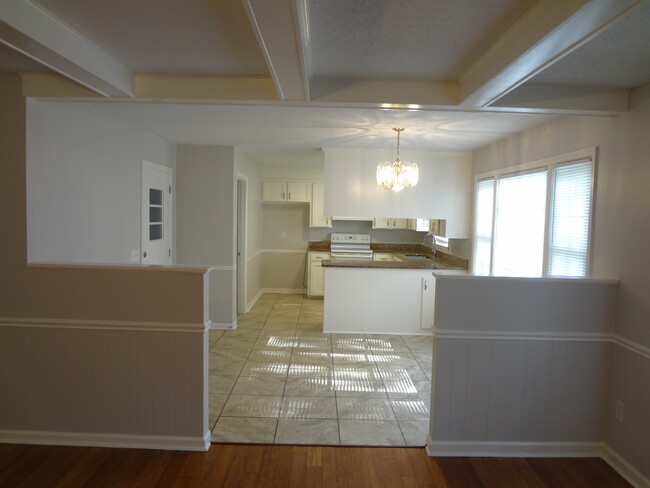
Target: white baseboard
pixel 625 469
pixel 301 291
pixel 512 449
pixel 169 443
pixel 253 301
pixel 539 449
pixel 222 326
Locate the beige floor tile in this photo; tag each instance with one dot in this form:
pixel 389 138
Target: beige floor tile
pixel 408 390
pixel 414 431
pixel 270 355
pixel 308 408
pixel 276 369
pixel 310 371
pixel 216 402
pixel 405 373
pixel 228 354
pixel 395 359
pixel 303 431
pixel 258 385
pixel 309 326
pixel 253 430
pixel 360 388
pixel 370 433
pixel 364 409
pixel 252 406
pixel 319 386
pixel 226 367
pixel 222 383
pixel 290 298
pixel 356 372
pixel 310 356
pixel 411 409
pixel 314 343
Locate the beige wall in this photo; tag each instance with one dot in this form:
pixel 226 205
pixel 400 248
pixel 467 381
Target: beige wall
pixel 53 318
pixel 620 245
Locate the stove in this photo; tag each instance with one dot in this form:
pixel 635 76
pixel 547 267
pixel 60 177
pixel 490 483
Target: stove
pixel 350 246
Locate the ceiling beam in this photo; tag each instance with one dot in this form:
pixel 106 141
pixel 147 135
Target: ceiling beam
pixel 565 100
pixel 551 30
pixel 202 87
pixel 274 23
pixel 37 34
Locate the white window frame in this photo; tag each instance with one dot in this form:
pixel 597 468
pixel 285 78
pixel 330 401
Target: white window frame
pixel 550 164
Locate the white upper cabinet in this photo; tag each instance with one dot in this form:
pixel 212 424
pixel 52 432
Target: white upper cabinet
pixel 282 191
pixel 316 217
pixel 444 190
pixel 387 223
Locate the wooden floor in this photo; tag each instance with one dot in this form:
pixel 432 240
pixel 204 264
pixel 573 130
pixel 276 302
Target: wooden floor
pixel 301 466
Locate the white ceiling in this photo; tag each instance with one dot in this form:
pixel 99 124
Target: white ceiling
pixel 280 75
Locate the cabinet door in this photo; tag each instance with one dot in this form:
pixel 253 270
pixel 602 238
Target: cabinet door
pixel 399 223
pixel 274 191
pixel 315 275
pixel 316 217
pixel 299 191
pixel 428 302
pixel 381 223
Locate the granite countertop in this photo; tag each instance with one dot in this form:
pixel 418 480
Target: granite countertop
pixel 401 252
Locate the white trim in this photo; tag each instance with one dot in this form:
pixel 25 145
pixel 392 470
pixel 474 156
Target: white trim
pixel 539 279
pixel 223 268
pixel 255 255
pixel 175 443
pixel 285 251
pixel 189 327
pixel 423 333
pixel 625 469
pixel 521 335
pixel 223 326
pixel 253 300
pixel 512 449
pixel 176 268
pixel 631 346
pixel 302 291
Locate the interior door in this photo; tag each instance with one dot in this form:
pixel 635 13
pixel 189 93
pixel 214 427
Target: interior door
pixel 156 214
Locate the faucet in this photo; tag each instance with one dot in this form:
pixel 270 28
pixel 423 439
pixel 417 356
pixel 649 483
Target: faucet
pixel 435 252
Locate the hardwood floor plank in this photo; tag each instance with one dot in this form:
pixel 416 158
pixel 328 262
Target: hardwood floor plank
pixel 228 465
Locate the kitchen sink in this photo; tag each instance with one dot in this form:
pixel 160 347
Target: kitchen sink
pixel 416 256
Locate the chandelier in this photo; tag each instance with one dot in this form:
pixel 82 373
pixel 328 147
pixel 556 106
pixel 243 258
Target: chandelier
pixel 397 175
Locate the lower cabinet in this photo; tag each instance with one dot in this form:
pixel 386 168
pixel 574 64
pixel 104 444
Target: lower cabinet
pixel 315 275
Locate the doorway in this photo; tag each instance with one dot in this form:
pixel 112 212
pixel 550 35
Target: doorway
pixel 156 212
pixel 242 190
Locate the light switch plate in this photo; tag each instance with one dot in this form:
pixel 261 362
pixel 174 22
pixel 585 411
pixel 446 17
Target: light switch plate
pixel 135 256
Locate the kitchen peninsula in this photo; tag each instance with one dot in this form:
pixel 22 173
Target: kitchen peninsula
pixel 392 296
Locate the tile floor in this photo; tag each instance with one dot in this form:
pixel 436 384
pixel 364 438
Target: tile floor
pixel 278 379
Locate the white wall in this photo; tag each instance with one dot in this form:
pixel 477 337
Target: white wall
pixel 83 182
pixel 443 191
pixel 620 245
pixel 246 166
pixel 205 203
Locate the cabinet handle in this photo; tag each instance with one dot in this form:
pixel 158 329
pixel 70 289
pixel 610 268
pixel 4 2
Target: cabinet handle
pixel 425 285
pixel 289 195
pixel 284 196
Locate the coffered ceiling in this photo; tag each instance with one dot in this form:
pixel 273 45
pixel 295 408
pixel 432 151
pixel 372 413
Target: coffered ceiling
pixel 308 73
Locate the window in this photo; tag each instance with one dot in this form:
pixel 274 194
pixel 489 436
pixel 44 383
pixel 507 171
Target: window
pixel 535 221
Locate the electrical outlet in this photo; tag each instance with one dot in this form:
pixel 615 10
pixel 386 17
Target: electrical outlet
pixel 283 234
pixel 135 256
pixel 619 410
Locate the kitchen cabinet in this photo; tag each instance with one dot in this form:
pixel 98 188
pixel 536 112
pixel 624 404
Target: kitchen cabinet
pixel 387 223
pixel 316 217
pixel 315 275
pixel 283 191
pixel 419 225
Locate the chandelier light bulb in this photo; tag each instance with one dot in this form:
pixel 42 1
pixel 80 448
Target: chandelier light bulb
pixel 397 175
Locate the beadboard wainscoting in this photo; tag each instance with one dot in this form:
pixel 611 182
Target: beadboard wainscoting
pixel 522 368
pixel 104 383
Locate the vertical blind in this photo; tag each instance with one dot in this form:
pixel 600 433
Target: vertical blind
pixel 484 215
pixel 570 217
pixel 520 225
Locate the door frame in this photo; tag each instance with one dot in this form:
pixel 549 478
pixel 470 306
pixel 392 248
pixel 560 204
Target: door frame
pixel 168 207
pixel 241 238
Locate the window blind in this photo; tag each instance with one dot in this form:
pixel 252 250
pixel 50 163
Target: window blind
pixel 483 226
pixel 520 224
pixel 570 217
